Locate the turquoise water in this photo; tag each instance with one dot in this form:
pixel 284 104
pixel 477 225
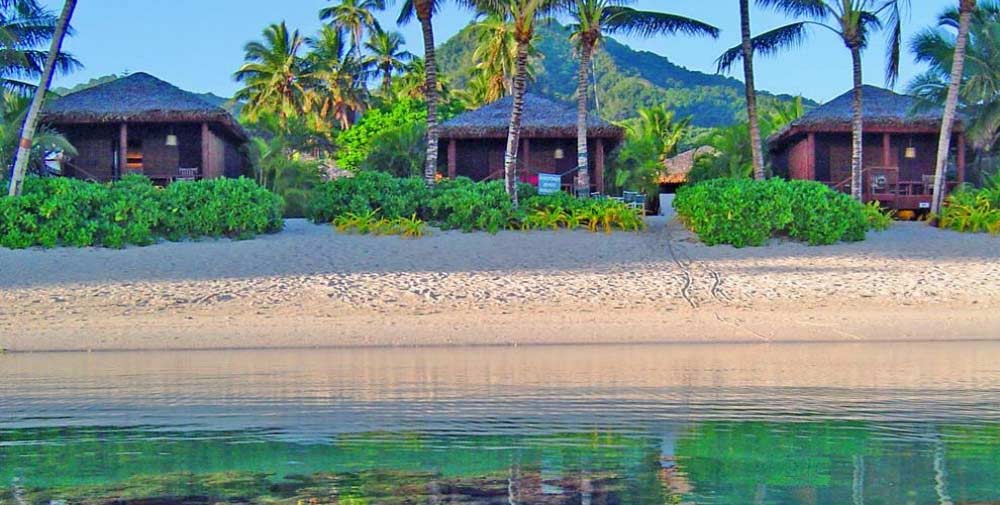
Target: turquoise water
pixel 715 424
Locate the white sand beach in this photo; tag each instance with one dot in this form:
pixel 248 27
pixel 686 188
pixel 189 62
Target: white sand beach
pixel 310 287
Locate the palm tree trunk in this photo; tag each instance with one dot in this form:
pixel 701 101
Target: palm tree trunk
pixel 755 142
pixel 430 92
pixel 951 104
pixel 31 120
pixel 514 133
pixel 857 162
pixel 582 159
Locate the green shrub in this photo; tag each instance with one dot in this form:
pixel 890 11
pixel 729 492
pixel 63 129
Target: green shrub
pixel 368 191
pixel 377 203
pixel 739 212
pixel 68 212
pixel 744 212
pixel 971 210
pixel 356 143
pixel 237 208
pixel 821 216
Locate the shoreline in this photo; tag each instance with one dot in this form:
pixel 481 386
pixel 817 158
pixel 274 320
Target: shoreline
pixel 309 287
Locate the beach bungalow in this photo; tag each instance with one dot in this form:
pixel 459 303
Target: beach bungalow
pixel 900 148
pixel 141 125
pixel 477 140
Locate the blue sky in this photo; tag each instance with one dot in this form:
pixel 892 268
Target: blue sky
pixel 197 44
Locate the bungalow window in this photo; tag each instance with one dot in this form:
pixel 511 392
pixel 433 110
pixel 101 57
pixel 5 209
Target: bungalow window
pixel 133 158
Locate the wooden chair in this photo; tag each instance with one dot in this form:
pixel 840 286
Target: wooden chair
pixel 186 174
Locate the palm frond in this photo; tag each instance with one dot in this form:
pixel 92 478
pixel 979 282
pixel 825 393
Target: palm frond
pixel 627 20
pixel 766 44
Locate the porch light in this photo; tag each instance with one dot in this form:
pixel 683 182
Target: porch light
pixel 911 153
pixel 172 140
pixel 560 154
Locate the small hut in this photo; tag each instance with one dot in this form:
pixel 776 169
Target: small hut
pixel 676 169
pixel 477 140
pixel 141 125
pixel 900 148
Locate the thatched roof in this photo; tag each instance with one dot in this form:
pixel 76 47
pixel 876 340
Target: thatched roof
pixel 543 118
pixel 676 169
pixel 882 110
pixel 138 97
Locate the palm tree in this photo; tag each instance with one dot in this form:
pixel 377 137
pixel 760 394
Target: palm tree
pixel 594 18
pixel 522 14
pixel 979 94
pixel 26 143
pixel 767 43
pixel 424 11
pixel 412 82
pixel 336 78
pixel 387 55
pixel 24 27
pixel 965 9
pixel 13 109
pixel 495 55
pixel 661 125
pixel 354 17
pixel 273 74
pixel 853 21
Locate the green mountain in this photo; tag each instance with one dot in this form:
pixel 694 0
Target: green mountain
pixel 626 79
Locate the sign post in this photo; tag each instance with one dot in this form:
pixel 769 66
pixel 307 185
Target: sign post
pixel 549 184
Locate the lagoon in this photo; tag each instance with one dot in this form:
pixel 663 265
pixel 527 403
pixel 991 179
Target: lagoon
pixel 715 424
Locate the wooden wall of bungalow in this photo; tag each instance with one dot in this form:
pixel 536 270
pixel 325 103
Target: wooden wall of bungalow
pixel 203 146
pixel 482 159
pixel 824 155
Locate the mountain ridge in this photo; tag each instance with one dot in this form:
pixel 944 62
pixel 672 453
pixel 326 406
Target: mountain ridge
pixel 627 79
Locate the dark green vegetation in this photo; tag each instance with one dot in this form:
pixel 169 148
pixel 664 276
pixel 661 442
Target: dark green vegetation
pixel 67 212
pixel 364 201
pixel 973 210
pixel 719 462
pixel 744 212
pixel 626 79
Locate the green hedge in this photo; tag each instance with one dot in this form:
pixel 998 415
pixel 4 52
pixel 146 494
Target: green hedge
pixel 744 212
pixel 973 210
pixel 462 204
pixel 68 212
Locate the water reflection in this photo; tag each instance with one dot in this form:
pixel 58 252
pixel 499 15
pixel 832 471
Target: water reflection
pixel 791 424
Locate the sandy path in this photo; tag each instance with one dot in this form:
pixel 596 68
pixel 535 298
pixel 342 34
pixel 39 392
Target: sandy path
pixel 309 286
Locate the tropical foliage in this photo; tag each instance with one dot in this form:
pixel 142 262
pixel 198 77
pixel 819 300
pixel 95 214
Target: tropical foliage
pixel 973 210
pixel 378 203
pixel 26 28
pixel 979 96
pixel 67 212
pixel 746 212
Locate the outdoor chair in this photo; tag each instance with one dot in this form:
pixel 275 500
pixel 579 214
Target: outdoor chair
pixel 186 174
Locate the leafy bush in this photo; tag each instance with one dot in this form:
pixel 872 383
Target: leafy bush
pixel 464 205
pixel 821 216
pixel 744 212
pixel 973 210
pixel 879 219
pixel 377 203
pixel 399 151
pixel 62 211
pixel 739 212
pixel 356 143
pixel 367 191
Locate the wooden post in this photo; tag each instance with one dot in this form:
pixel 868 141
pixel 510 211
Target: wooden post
pixel 811 157
pixel 452 159
pixel 960 163
pixel 526 155
pixel 206 153
pixel 122 150
pixel 599 165
pixel 886 150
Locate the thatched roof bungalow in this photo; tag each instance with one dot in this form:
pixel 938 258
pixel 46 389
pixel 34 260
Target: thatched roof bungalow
pixel 477 140
pixel 141 124
pixel 900 148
